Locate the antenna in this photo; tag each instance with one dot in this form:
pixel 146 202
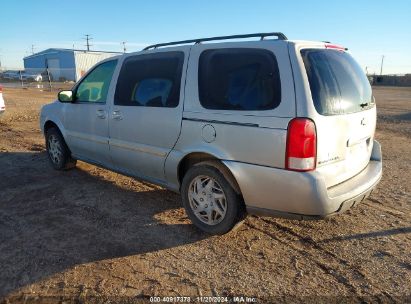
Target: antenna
pixel 124 46
pixel 88 38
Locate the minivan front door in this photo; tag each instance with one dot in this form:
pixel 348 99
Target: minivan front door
pixel 86 119
pixel 145 120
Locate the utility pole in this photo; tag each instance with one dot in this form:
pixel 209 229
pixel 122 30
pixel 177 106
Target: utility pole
pixel 124 46
pixel 88 38
pixel 382 63
pixel 32 49
pixel 366 70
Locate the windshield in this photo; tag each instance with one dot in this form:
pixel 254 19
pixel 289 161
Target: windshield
pixel 338 84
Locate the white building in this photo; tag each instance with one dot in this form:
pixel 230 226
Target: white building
pixel 64 64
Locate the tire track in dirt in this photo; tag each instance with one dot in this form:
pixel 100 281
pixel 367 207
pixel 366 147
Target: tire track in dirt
pixel 341 269
pixel 385 209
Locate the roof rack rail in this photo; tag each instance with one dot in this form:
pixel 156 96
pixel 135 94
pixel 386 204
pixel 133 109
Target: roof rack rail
pixel 279 35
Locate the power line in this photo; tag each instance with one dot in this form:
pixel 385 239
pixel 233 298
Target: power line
pixel 88 38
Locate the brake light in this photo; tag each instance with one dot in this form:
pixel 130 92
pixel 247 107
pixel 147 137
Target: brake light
pixel 335 47
pixel 301 150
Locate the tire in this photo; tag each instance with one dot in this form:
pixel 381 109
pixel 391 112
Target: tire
pixel 214 209
pixel 57 151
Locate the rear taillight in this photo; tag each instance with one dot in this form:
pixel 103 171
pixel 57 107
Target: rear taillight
pixel 301 151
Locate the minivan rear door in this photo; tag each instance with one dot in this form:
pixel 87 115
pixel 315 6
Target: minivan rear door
pixel 345 113
pixel 145 118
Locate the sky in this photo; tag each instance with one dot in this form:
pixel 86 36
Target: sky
pixel 369 28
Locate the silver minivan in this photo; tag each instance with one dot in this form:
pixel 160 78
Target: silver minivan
pixel 266 126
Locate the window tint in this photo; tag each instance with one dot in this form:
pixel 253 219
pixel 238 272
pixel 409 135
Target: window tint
pixel 338 84
pixel 152 92
pixel 150 80
pixel 94 87
pixel 239 79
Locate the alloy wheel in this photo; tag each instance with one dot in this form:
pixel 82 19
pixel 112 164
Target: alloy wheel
pixel 207 200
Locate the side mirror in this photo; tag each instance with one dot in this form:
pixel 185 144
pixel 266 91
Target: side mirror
pixel 65 96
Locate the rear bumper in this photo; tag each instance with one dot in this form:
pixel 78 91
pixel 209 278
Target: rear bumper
pixel 283 193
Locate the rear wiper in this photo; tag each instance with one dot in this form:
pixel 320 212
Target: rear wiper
pixel 363 105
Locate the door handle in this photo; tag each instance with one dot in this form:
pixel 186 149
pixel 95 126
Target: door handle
pixel 117 115
pixel 101 114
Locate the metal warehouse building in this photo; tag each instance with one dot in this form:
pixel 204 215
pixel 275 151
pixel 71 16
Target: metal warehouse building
pixel 64 64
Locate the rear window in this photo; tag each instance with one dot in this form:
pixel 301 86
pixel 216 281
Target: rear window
pixel 239 79
pixel 338 84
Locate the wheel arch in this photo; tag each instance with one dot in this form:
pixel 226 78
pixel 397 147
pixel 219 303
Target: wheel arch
pixel 50 124
pixel 194 158
pixel 53 121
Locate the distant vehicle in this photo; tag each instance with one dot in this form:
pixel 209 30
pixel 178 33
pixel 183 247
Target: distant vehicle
pixel 11 75
pixel 47 76
pixel 22 75
pixel 271 126
pixel 2 104
pixel 31 76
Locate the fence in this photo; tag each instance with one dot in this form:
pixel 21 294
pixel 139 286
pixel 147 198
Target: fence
pixel 45 79
pixel 391 80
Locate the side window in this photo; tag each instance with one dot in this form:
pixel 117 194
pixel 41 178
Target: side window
pixel 151 80
pixel 239 79
pixel 94 87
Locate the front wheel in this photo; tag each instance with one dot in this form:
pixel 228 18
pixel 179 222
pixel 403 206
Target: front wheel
pixel 57 150
pixel 210 201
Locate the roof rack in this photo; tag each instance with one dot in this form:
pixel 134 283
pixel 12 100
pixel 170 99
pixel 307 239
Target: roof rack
pixel 280 36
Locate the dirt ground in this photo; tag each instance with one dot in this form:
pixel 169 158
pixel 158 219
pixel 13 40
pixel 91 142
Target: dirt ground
pixel 90 235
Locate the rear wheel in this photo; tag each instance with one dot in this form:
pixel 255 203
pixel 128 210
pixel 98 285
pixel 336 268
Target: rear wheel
pixel 57 150
pixel 209 199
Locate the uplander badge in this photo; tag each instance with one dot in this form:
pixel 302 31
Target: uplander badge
pixel 328 160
